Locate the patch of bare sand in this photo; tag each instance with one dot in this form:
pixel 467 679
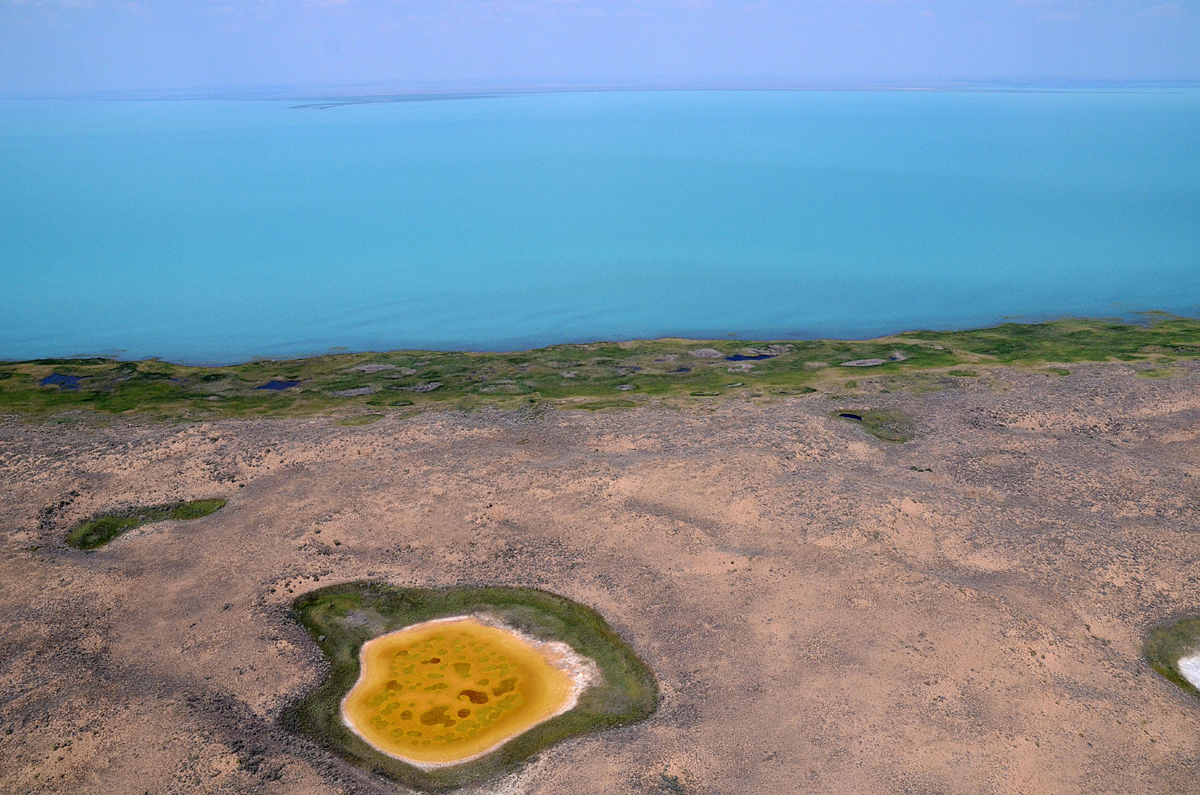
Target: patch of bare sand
pixel 823 614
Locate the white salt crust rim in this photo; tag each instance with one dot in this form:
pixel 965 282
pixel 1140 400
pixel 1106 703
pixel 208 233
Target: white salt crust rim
pixel 1189 668
pixel 582 671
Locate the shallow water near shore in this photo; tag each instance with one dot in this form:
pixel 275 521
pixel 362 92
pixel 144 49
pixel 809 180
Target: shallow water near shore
pixel 213 231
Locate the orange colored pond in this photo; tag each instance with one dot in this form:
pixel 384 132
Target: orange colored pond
pixel 447 691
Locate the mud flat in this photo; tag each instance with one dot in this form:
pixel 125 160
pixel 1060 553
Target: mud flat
pixel 823 611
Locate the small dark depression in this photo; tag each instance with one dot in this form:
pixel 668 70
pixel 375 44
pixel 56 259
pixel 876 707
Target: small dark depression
pixel 848 416
pixel 278 386
pixel 741 357
pixel 62 381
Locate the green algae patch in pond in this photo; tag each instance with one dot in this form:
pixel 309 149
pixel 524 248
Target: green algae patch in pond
pixel 575 676
pixel 99 530
pixel 1173 650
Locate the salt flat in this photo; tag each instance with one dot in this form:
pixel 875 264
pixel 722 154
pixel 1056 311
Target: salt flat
pixel 1190 668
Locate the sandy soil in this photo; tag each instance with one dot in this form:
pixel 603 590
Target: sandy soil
pixel 827 613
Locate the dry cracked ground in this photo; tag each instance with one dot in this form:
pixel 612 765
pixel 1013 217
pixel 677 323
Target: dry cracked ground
pixel 825 612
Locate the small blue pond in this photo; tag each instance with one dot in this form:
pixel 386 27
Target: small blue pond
pixel 278 386
pixel 62 381
pixel 741 357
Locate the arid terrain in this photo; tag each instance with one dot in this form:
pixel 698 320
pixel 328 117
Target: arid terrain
pixel 826 612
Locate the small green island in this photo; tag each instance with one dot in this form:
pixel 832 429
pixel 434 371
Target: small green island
pixel 99 530
pixel 1173 650
pixel 342 618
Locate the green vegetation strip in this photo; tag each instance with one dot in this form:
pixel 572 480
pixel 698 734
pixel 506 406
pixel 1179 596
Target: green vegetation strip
pixel 1166 644
pixel 356 420
pixel 341 618
pixel 593 376
pixel 99 530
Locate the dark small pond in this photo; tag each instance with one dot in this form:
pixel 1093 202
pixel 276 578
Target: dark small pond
pixel 741 357
pixel 62 381
pixel 278 386
pixel 849 416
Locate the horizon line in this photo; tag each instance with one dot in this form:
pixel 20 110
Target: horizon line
pixel 372 92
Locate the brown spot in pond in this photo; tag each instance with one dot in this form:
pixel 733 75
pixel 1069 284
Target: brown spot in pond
pixel 436 715
pixel 474 696
pixel 464 713
pixel 505 686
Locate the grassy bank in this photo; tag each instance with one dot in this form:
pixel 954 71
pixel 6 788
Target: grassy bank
pixel 587 376
pixel 1166 644
pixel 99 530
pixel 341 618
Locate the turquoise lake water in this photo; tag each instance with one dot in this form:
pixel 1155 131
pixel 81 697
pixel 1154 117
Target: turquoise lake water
pixel 214 231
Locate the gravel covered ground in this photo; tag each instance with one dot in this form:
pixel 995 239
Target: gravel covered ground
pixel 826 612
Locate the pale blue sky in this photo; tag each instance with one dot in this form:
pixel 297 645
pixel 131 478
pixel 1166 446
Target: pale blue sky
pixel 59 46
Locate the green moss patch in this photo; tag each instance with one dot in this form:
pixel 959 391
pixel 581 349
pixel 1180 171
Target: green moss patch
pixel 1074 340
pixel 890 426
pixel 1165 644
pixel 99 530
pixel 359 419
pixel 1158 372
pixel 340 618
